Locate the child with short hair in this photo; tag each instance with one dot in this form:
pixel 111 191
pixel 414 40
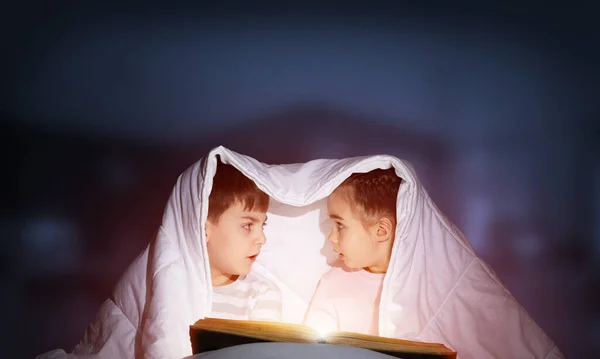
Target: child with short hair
pixel 363 209
pixel 234 237
pixel 161 294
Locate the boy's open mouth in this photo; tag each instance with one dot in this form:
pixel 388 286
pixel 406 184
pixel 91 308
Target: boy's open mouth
pixel 253 258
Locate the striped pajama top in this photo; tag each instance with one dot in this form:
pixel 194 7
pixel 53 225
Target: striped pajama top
pixel 248 298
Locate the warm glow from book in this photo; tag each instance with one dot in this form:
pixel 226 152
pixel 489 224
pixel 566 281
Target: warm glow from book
pixel 323 328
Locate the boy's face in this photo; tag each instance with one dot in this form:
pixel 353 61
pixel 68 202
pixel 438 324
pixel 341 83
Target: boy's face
pixel 234 242
pixel 355 243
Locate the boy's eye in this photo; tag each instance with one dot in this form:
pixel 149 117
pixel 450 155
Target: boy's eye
pixel 247 226
pixel 339 225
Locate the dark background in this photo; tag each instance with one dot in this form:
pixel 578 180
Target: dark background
pixel 106 105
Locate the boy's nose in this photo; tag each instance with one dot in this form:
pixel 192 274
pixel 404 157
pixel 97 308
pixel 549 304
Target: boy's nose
pixel 262 239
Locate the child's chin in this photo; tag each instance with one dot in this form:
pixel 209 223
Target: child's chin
pixel 244 271
pixel 351 265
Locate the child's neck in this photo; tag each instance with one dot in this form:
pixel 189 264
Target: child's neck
pixel 220 279
pixel 376 269
pixel 383 263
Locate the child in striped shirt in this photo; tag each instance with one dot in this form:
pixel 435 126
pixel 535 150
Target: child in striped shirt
pixel 234 236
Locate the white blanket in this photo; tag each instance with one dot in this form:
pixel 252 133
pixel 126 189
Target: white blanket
pixel 436 288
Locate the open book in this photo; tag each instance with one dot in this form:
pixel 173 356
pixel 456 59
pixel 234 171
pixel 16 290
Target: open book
pixel 212 334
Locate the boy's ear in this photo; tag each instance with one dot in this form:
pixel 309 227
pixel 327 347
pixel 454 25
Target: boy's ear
pixel 207 230
pixel 384 229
